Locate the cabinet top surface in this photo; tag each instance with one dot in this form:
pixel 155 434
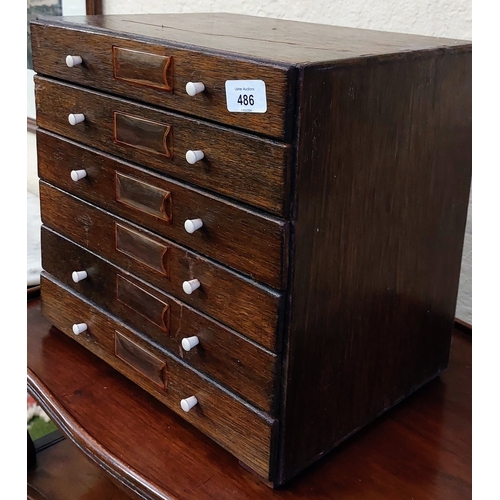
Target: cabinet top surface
pixel 276 40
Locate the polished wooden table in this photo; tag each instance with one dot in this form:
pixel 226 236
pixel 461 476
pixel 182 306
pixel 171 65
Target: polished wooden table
pixel 422 449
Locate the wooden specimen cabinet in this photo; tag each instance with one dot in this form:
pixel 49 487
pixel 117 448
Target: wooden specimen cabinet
pixel 259 222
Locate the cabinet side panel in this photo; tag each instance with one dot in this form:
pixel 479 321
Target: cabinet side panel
pixel 384 169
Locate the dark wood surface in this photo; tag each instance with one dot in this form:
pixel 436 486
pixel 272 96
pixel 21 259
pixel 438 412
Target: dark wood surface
pixel 240 428
pixel 378 172
pixel 421 449
pixel 163 205
pixel 237 165
pixel 33 292
pixel 382 187
pixel 93 7
pixel 249 308
pixel 277 40
pixel 63 472
pixel 229 358
pixel 52 43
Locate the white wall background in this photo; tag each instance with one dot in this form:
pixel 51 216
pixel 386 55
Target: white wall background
pixel 446 18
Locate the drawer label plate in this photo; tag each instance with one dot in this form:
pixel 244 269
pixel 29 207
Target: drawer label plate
pixel 142 249
pixel 141 360
pixel 246 96
pixel 143 197
pixel 143 303
pixel 142 68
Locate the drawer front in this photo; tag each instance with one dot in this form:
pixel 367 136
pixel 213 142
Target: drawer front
pixel 242 430
pixel 242 239
pixel 158 74
pixel 224 355
pixel 235 164
pixel 249 308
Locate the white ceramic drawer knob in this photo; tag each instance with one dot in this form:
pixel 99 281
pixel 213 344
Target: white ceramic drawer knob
pixel 189 342
pixel 193 156
pixel 79 276
pixel 76 118
pixel 188 403
pixel 73 61
pixel 192 225
pixel 193 88
pixel 79 328
pixel 190 286
pixel 76 175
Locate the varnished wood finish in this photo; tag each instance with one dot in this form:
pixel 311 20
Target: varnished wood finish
pixel 63 472
pixel 143 68
pixel 383 178
pixel 249 308
pixel 150 137
pixel 227 357
pixel 140 359
pixel 52 42
pixel 235 425
pixel 238 165
pixel 241 238
pixel 463 326
pixel 259 38
pixel 371 185
pixel 33 292
pixel 93 7
pixel 420 449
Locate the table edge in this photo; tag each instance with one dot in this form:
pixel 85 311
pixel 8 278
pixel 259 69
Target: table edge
pixel 71 428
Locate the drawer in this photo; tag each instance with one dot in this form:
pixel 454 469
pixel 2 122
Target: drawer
pixel 244 431
pixel 251 309
pixel 226 356
pixel 156 72
pixel 235 164
pixel 243 239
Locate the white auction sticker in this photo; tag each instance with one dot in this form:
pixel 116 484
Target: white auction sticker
pixel 246 96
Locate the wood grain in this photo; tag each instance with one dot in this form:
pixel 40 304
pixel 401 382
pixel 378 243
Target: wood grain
pixel 231 422
pixel 227 228
pixel 237 165
pixel 229 358
pixel 420 449
pixel 279 41
pixel 251 309
pixel 143 68
pixel 149 136
pixel 93 7
pixel 380 217
pixel 52 42
pixel 372 180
